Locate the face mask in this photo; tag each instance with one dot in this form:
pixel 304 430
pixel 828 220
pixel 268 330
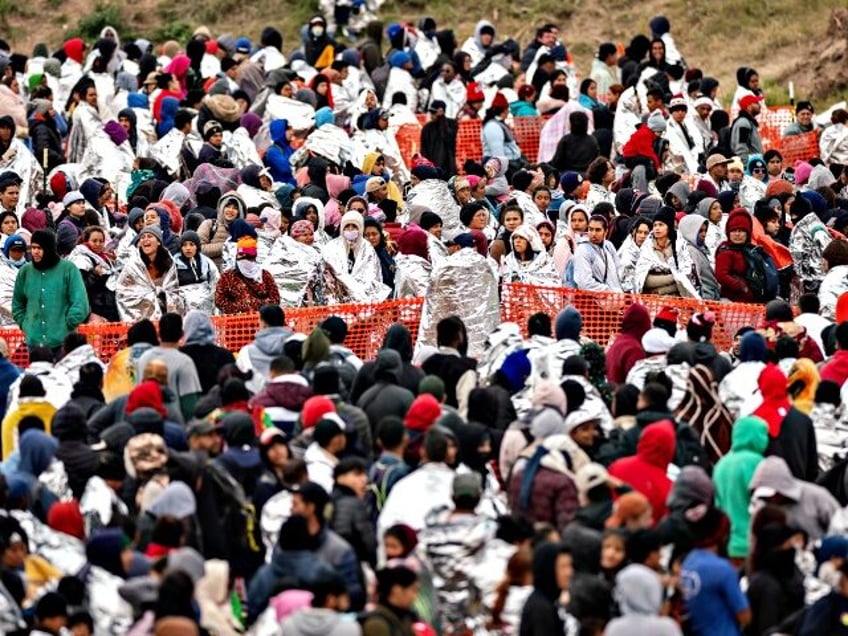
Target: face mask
pixel 318 31
pixel 351 235
pixel 19 262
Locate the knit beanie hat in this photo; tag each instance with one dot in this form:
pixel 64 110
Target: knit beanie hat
pixel 314 409
pixel 422 413
pixel 568 324
pixel 656 122
pixel 516 369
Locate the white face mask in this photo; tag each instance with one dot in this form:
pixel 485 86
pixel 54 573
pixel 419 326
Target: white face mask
pixel 351 235
pixel 317 31
pixel 19 262
pixel 250 269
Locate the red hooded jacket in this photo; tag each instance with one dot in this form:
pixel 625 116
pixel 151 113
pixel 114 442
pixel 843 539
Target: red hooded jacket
pixel 646 471
pixel 626 350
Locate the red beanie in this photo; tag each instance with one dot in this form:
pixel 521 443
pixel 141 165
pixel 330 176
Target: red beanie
pixel 149 394
pixel 59 184
pixel 842 308
pixel 314 409
pixel 740 219
pixel 66 517
pixel 500 102
pixel 422 413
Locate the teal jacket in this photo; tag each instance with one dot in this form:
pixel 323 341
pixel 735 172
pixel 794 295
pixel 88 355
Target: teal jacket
pixel 732 476
pixel 48 304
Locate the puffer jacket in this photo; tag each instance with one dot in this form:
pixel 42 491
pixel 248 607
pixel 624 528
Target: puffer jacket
pixel 351 520
pixel 215 233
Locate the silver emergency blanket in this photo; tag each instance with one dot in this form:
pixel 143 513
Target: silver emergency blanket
pixel 104 159
pixel 139 297
pixel 225 179
pixel 683 272
pixel 112 615
pixel 434 195
pixel 264 243
pixel 64 552
pixel 257 198
pixel 300 115
pixel 328 141
pixel 298 271
pixel 362 284
pixel 98 504
pixel 239 149
pixel 412 276
pixel 20 160
pixel 200 296
pixel 750 191
pixel 532 216
pixel 86 260
pixel 463 285
pixel 167 150
pixel 540 270
pixel 807 242
pixel 8 276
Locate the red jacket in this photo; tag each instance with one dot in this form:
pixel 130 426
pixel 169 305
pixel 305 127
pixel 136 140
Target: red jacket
pixel 646 471
pixel 836 369
pixel 626 350
pixel 641 144
pixel 730 266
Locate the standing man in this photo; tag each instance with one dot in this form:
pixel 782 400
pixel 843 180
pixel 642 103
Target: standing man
pixel 49 298
pixel 438 138
pixel 605 71
pixel 744 133
pixel 448 89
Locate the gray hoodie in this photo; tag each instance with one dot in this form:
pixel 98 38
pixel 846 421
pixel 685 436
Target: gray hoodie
pixel 267 345
pixel 639 593
pixel 689 227
pixel 319 622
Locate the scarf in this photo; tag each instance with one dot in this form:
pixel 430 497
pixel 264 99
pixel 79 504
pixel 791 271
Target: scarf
pixel 250 269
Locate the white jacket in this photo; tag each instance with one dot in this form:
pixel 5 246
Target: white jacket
pixel 679 147
pixel 320 465
pixel 833 144
pixel 739 390
pixel 835 284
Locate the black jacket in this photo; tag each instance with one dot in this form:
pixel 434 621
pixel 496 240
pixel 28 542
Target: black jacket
pixel 208 359
pixel 796 444
pixel 80 464
pixel 351 519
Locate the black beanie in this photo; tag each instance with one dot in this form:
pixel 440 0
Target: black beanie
pixel 429 219
pixel 466 214
pixel 47 240
pixel 666 215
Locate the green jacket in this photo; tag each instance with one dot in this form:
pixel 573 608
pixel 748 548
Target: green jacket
pixel 48 304
pixel 732 476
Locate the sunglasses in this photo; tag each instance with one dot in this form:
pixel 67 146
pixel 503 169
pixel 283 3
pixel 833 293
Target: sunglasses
pixel 758 170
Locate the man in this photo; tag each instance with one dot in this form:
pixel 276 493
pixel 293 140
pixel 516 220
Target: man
pixel 351 517
pixel 683 141
pixel 546 36
pixel 182 374
pixel 397 591
pixel 390 466
pixel 438 138
pixel 330 601
pixel 717 172
pixel 703 106
pixel 85 121
pixel 655 101
pixel 595 259
pixel 204 437
pixel 49 299
pixel 605 71
pixel 10 191
pixel 453 542
pixel 744 132
pixel 322 455
pixel 450 363
pixel 281 400
pixel 310 501
pixel 267 345
pixel 386 396
pixel 803 123
pixel 80 461
pixel 345 360
pixel 448 88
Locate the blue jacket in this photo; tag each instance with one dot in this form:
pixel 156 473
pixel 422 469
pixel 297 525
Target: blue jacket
pixel 278 156
pixel 8 374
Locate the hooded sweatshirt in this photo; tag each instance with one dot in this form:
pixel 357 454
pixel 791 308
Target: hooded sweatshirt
pixel 626 350
pixel 733 473
pixel 257 356
pixel 317 621
pixel 540 615
pixel 791 433
pixel 646 471
pixel 278 156
pixel 640 596
pixel 689 228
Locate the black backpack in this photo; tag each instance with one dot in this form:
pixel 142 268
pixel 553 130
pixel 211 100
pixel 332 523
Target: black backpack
pixel 760 273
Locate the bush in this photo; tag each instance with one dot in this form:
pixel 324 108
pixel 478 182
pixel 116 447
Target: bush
pixel 104 14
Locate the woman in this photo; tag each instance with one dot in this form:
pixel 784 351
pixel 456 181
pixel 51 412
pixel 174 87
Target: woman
pixel 730 262
pixel 295 263
pixel 8 224
pixel 375 236
pixel 711 209
pixel 97 267
pixel 628 253
pixel 577 225
pixel 664 267
pixel 11 103
pixel 835 282
pixel 214 233
pixel 774 165
pixel 528 261
pixel 497 138
pixel 704 411
pixel 413 266
pixel 511 218
pixel 353 263
pixel 600 174
pixel 247 287
pixel 511 593
pixel 693 230
pixel 71 222
pixel 525 106
pixel 588 97
pixel 748 83
pixel 320 85
pixel 148 285
pixel 833 144
pixel 196 274
pixel 129 120
pixel 546 232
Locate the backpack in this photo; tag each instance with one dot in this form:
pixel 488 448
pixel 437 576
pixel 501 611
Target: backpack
pixel 378 488
pixel 238 516
pixel 760 273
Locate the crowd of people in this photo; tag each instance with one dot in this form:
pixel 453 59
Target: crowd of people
pixel 480 477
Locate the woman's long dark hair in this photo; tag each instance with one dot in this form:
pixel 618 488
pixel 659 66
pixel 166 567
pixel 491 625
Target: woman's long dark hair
pixel 162 261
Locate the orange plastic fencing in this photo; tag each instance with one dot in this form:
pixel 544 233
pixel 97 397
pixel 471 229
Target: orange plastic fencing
pixel 804 147
pixel 527 130
pixel 602 311
pixel 408 139
pixel 469 145
pixel 368 323
pixel 772 122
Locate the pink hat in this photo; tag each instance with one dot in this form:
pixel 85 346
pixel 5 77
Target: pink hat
pixel 802 172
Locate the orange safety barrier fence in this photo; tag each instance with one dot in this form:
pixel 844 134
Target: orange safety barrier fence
pixel 772 122
pixel 368 323
pixel 527 130
pixel 408 139
pixel 468 142
pixel 602 311
pixel 795 147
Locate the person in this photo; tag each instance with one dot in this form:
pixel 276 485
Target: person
pixel 605 71
pixel 49 299
pixel 664 266
pixel 713 598
pixel 693 230
pixel 397 589
pixel 148 286
pixel 824 616
pixel 97 266
pixel 578 149
pixel 214 232
pixel 351 517
pixel 528 261
pixel 807 242
pixel 255 358
pixel 744 133
pixel 248 286
pixel 553 570
pixel 803 123
pixel 438 136
pixel 196 273
pixel 833 144
pixel 352 261
pixel 497 138
pixel 595 261
pixel 639 592
pixel 277 157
